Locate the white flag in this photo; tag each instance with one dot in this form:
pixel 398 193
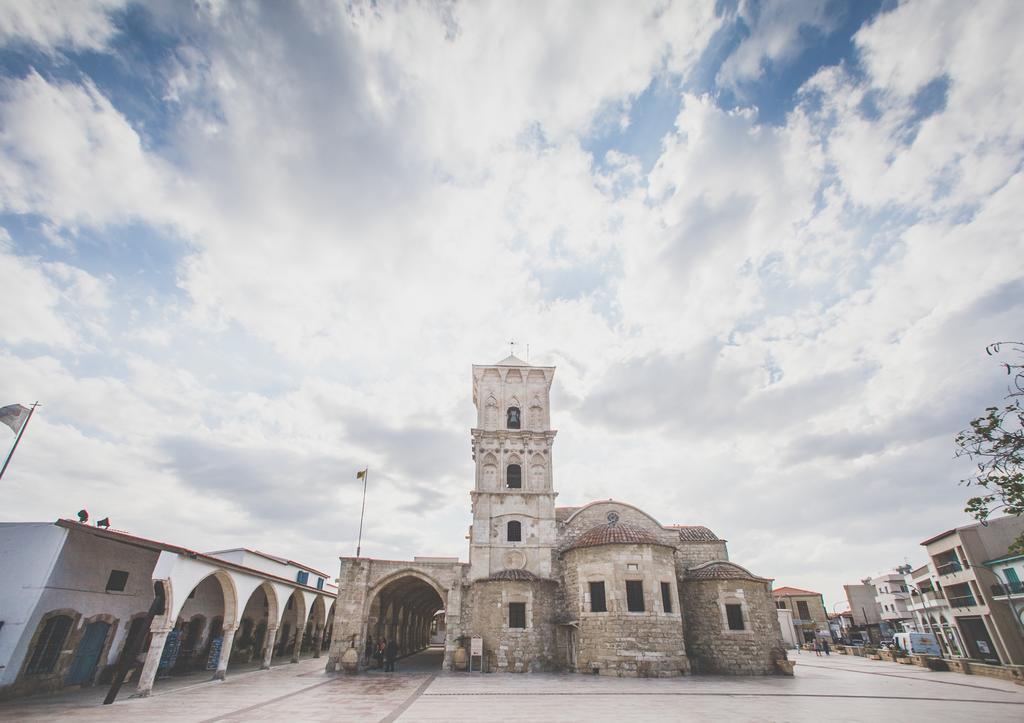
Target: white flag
pixel 14 416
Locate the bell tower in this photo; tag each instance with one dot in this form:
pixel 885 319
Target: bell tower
pixel 513 498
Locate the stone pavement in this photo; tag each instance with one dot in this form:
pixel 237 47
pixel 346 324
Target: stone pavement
pixel 835 688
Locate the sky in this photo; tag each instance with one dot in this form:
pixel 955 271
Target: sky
pixel 251 248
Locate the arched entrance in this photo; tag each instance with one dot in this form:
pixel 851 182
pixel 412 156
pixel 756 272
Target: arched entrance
pixel 251 637
pixel 314 632
pixel 402 610
pixel 293 623
pixel 325 643
pixel 199 622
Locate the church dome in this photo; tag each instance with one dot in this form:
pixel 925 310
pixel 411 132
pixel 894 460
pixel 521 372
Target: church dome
pixel 614 533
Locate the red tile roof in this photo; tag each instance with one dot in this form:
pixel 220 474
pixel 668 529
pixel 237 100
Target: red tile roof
pixel 515 575
pixel 694 533
pixel 616 533
pixel 720 570
pixel 784 591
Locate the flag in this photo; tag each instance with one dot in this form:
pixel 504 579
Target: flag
pixel 14 416
pixel 361 474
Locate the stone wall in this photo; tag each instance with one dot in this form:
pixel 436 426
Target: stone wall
pixel 690 554
pixel 619 642
pixel 714 648
pixel 512 650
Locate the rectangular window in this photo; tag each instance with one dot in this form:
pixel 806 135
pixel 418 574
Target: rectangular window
pixel 302 577
pixel 597 600
pixel 780 604
pixel 635 596
pixel 117 581
pixel 802 610
pixel 319 583
pixel 734 613
pixel 517 615
pixel 666 597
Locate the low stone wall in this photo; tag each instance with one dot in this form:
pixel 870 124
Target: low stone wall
pixel 1014 673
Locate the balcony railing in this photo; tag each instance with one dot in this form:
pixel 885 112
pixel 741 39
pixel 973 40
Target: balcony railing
pixel 948 568
pixel 964 601
pixel 1008 588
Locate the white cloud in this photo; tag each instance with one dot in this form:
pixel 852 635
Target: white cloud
pixel 52 24
pixel 70 156
pixel 774 36
pixel 776 327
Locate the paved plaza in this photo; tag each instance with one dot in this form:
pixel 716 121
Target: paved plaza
pixel 836 688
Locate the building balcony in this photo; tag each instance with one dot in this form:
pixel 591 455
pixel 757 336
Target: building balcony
pixel 948 568
pixel 1008 588
pixel 963 601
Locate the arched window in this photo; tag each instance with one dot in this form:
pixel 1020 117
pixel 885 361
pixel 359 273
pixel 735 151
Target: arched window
pixel 514 531
pixel 512 418
pixel 51 640
pixel 514 476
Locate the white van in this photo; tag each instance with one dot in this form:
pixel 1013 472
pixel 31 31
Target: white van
pixel 917 643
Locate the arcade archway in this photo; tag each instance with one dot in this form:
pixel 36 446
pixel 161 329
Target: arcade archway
pixel 403 610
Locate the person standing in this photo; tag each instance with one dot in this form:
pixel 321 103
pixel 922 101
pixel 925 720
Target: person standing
pixel 369 649
pixel 825 646
pixel 390 654
pixel 379 654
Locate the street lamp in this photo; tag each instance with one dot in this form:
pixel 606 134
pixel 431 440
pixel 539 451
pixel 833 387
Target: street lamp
pixel 926 624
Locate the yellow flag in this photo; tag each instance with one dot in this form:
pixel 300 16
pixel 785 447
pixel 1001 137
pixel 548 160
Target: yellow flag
pixel 361 474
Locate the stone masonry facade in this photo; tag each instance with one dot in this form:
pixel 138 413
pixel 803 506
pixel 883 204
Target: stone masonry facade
pixel 600 588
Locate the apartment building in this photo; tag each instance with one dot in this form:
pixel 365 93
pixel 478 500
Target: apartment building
pixel 892 596
pixel 1009 591
pixel 988 627
pixel 931 612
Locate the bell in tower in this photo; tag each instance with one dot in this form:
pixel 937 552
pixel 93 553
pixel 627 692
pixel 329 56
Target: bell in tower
pixel 513 496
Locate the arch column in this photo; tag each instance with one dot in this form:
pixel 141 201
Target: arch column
pixel 225 653
pixel 156 651
pixel 297 645
pixel 318 639
pixel 269 644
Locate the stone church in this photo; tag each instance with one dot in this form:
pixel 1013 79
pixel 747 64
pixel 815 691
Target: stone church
pixel 602 588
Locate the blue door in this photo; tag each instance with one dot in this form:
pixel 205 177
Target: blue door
pixel 84 664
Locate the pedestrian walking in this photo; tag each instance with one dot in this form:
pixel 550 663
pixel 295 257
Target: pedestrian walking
pixel 825 646
pixel 817 647
pixel 389 656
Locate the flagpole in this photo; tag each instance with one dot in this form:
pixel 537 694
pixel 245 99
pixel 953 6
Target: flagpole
pixel 359 544
pixel 18 439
